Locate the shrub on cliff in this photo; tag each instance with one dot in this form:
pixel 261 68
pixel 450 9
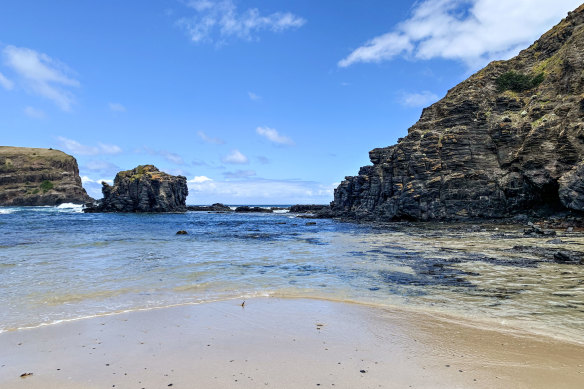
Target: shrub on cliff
pixel 518 82
pixel 46 185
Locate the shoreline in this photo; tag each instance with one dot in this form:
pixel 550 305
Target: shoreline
pixel 281 342
pixel 512 327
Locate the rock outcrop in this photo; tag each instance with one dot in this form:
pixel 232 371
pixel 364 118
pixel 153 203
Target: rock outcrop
pixel 31 176
pixel 507 140
pixel 246 209
pixel 143 189
pixel 217 207
pixel 307 208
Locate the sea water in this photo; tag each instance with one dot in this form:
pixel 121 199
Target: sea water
pixel 57 263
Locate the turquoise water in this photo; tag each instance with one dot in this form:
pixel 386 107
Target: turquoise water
pixel 60 264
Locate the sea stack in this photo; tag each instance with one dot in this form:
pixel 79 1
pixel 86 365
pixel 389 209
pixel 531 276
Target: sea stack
pixel 143 189
pixel 31 176
pixel 508 140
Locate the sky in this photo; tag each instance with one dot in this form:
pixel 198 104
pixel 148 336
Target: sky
pixel 255 101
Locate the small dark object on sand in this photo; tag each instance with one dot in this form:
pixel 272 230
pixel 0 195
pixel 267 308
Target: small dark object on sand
pixel 24 375
pixel 243 304
pixel 182 232
pixel 363 371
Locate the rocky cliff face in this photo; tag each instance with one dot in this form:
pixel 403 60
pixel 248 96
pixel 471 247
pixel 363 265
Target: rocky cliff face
pixel 143 189
pixel 507 140
pixel 31 176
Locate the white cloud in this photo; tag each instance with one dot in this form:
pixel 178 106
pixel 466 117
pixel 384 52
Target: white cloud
pixel 93 186
pixel 177 172
pixel 199 179
pixel 85 180
pixel 173 157
pixel 42 75
pixel 167 155
pixel 259 191
pixel 472 31
pixel 79 149
pixel 253 96
pixel 34 113
pixel 235 157
pixel 240 174
pixel 116 107
pixel 219 20
pixel 421 99
pixel 208 139
pixel 273 136
pixel 380 48
pixel 101 167
pixel 6 83
pixel 263 160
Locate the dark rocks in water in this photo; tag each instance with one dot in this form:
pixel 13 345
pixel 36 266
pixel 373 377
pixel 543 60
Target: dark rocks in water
pixel 485 153
pixel 536 231
pixel 31 176
pixel 310 223
pixel 217 207
pixel 313 211
pixel 555 241
pixel 305 208
pixel 182 232
pixel 569 257
pixel 554 255
pixel 246 209
pixel 143 189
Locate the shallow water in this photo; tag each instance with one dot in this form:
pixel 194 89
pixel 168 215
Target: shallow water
pixel 59 264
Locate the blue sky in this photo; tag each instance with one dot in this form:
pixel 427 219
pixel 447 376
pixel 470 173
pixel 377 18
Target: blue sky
pixel 255 102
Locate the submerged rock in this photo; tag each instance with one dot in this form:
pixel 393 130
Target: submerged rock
pixel 508 140
pixel 143 189
pixel 536 231
pixel 30 176
pixel 569 257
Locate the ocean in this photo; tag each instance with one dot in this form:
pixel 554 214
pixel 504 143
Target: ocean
pixel 59 264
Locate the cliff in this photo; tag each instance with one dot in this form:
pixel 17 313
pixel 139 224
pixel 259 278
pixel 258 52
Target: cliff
pixel 508 140
pixel 30 176
pixel 143 189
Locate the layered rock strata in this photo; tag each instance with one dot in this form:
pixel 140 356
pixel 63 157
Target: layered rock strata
pixel 143 189
pixel 507 140
pixel 33 176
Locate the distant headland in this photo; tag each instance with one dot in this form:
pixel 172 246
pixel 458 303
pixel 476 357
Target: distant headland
pixel 34 176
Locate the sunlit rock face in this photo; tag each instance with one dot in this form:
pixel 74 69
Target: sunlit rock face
pixel 143 189
pixel 507 140
pixel 33 176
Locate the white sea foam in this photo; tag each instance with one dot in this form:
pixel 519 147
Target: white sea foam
pixel 6 211
pixel 70 207
pixel 281 211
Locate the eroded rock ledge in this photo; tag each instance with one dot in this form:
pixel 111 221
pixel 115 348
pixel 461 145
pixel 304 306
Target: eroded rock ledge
pixel 33 176
pixel 143 189
pixel 484 152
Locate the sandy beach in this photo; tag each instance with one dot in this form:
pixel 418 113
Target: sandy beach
pixel 282 343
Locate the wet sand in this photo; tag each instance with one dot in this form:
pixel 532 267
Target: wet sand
pixel 283 343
